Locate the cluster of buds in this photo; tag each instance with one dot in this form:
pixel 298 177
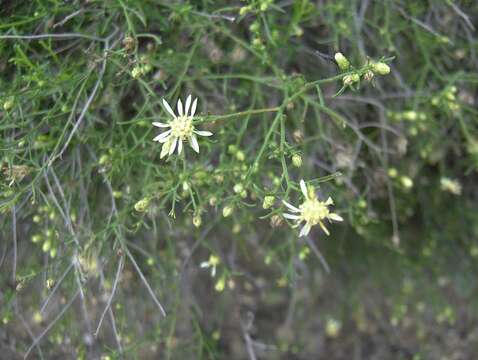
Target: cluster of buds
pixel 379 68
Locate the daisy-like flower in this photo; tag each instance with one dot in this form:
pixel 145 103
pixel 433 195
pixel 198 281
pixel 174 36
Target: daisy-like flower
pixel 312 211
pixel 212 263
pixel 181 128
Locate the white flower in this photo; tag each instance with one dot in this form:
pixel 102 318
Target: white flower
pixel 312 211
pixel 181 128
pixel 212 263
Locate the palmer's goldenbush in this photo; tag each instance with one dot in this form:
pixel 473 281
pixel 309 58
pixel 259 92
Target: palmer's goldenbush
pixel 117 245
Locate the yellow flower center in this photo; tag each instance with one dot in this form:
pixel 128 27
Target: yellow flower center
pixel 182 127
pixel 313 211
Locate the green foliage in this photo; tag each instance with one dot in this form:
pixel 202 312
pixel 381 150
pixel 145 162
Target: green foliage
pixel 163 254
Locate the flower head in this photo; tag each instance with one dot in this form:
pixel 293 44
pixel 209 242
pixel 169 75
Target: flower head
pixel 181 128
pixel 312 211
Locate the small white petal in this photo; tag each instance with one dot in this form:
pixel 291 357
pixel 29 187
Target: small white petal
pixel 162 135
pixel 180 146
pixel 303 187
pixel 188 104
pixel 203 133
pixel 194 143
pixel 204 264
pixel 324 228
pixel 193 108
pixel 165 149
pixel 291 216
pixel 180 108
pixel 329 201
pixel 335 217
pixel 165 139
pixel 305 230
pixel 160 124
pixel 213 271
pixel 290 206
pixel 173 145
pixel 168 108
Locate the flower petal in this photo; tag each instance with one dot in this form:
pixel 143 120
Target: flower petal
pixel 203 133
pixel 173 145
pixel 290 206
pixel 303 187
pixel 329 201
pixel 180 108
pixel 188 104
pixel 291 216
pixel 161 125
pixel 168 109
pixel 162 135
pixel 324 228
pixel 335 217
pixel 213 271
pixel 194 143
pixel 165 149
pixel 204 264
pixel 180 146
pixel 193 108
pixel 305 230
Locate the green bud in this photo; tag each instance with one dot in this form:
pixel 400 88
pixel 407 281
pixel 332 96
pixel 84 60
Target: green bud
pixel 268 202
pixel 142 205
pixel 238 188
pixel 342 61
pixel 297 160
pixel 137 72
pixel 392 172
pixel 7 105
pixel 240 156
pixel 406 182
pixel 197 221
pixel 227 211
pixel 103 159
pixel 46 246
pixel 185 186
pixel 381 68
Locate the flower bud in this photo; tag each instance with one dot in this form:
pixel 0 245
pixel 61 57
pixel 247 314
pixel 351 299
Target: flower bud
pixel 238 188
pixel 406 182
pixel 268 202
pixel 350 79
pixel 392 172
pixel 240 156
pixel 368 76
pixel 297 160
pixel 7 105
pixel 227 211
pixel 137 72
pixel 213 201
pixel 197 221
pixel 276 221
pixel 381 68
pixel 185 186
pixel 342 61
pixel 332 328
pixel 298 136
pixel 220 285
pixel 142 205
